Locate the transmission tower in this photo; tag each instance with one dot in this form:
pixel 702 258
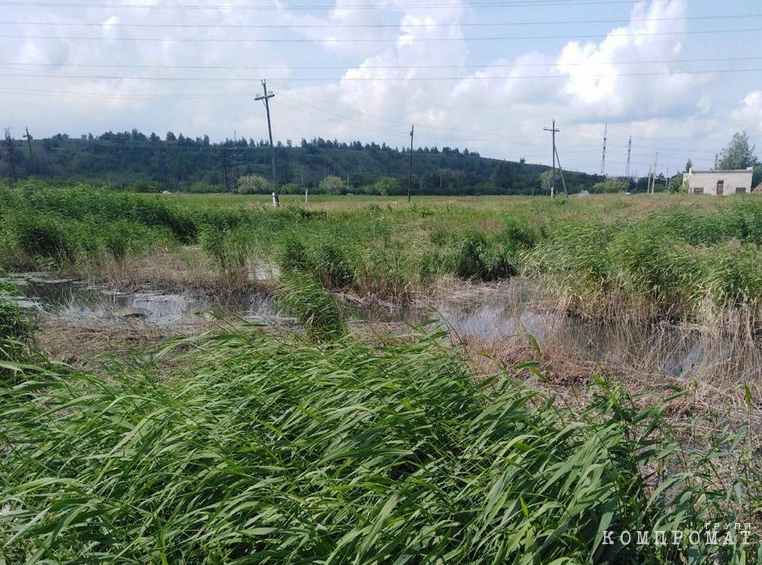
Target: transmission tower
pixel 629 158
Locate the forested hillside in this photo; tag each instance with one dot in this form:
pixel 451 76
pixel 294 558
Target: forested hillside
pixel 132 160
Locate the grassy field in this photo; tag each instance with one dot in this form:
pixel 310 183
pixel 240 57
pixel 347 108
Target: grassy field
pixel 279 449
pixel 333 445
pixel 662 256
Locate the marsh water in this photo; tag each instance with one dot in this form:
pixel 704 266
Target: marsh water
pixel 486 312
pixel 79 301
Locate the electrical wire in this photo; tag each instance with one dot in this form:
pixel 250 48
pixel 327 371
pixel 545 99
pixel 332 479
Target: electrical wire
pixel 374 26
pixel 385 79
pixel 379 67
pixel 370 40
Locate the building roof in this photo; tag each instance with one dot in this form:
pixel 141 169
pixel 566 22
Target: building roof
pixel 721 171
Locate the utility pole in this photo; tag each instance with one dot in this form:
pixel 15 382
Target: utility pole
pixel 266 99
pixel 225 175
pixel 561 170
pixel 716 161
pixel 236 156
pixel 653 174
pixel 29 143
pixel 603 159
pixel 410 166
pixel 553 131
pixel 629 159
pixel 9 152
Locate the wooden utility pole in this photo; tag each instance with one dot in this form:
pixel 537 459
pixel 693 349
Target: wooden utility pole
pixel 553 132
pixel 561 170
pixel 224 155
pixel 9 153
pixel 410 166
pixel 29 143
pixel 266 99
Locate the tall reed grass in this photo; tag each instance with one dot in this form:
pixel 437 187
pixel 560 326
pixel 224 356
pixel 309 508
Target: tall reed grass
pixel 271 449
pixel 677 258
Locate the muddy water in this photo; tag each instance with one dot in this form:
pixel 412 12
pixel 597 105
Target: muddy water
pixel 486 312
pixel 521 307
pixel 79 301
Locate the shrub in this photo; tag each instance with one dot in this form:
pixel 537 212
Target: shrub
pixel 42 236
pixel 331 185
pixel 254 184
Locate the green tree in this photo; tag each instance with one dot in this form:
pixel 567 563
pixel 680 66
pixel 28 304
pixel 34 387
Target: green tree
pixel 291 188
pixel 254 184
pixel 676 184
pixel 390 186
pixel 331 185
pixel 739 154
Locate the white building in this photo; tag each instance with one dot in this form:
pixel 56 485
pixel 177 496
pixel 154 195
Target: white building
pixel 719 183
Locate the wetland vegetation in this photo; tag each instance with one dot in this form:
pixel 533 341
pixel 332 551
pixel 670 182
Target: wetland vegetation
pixel 342 440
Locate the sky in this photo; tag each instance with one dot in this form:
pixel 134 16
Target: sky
pixel 678 76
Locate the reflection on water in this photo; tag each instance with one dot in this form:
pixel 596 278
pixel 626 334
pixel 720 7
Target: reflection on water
pixel 518 307
pixel 80 301
pixel 487 312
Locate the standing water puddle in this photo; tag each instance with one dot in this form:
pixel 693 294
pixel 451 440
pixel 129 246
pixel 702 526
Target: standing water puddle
pixel 486 312
pixel 517 308
pixel 79 301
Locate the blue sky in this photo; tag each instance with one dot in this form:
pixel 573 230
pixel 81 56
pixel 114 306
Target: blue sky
pixel 486 74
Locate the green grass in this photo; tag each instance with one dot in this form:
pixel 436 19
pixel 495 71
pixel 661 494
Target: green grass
pixel 677 254
pixel 273 449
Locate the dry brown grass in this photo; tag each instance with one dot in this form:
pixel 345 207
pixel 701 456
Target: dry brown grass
pixel 177 268
pixel 91 344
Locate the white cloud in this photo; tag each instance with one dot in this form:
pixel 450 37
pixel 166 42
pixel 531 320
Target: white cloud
pixel 749 112
pixel 496 109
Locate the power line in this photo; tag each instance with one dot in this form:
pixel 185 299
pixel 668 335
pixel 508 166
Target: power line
pixel 372 40
pixel 501 4
pixel 383 79
pixel 380 67
pixel 375 26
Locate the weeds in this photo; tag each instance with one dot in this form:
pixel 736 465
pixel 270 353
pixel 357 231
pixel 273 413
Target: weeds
pixel 672 261
pixel 276 450
pixel 317 310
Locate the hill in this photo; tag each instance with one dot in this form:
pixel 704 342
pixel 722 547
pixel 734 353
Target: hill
pixel 134 160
